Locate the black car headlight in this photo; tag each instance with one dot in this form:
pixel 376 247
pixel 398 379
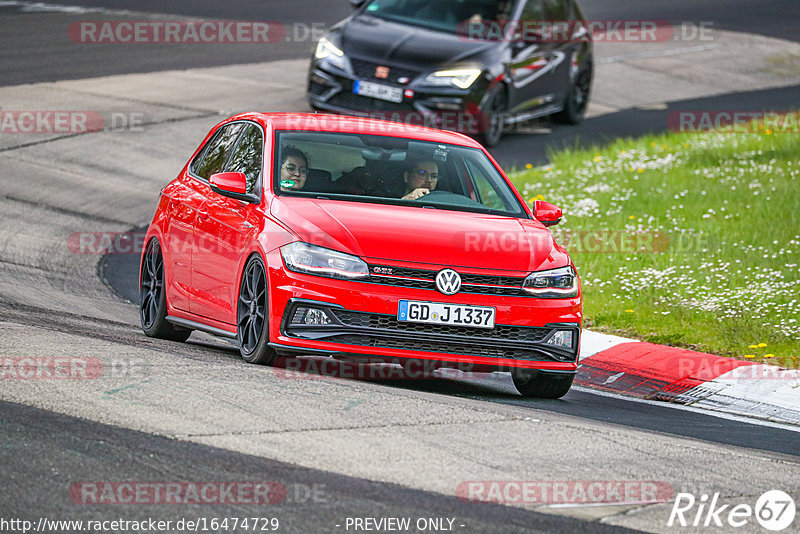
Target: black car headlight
pixel 310 259
pixel 461 78
pixel 330 52
pixel 554 284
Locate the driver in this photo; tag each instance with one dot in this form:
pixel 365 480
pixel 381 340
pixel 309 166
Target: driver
pixel 420 179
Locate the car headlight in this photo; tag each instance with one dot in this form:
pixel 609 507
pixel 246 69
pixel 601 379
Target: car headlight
pixel 462 78
pixel 554 284
pixel 311 259
pixel 328 50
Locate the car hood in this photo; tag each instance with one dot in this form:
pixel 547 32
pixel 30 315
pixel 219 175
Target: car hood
pixel 421 235
pixel 381 41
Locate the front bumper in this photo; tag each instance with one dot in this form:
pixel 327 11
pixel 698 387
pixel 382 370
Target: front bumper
pixel 364 324
pixel 449 108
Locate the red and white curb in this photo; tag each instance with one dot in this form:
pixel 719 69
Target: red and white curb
pixel 658 372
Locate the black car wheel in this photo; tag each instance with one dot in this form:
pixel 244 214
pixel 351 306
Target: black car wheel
pixel 153 297
pixel 541 384
pixel 493 118
pixel 577 98
pixel 251 316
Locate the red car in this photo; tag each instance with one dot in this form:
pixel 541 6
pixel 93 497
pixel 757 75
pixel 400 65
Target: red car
pixel 302 233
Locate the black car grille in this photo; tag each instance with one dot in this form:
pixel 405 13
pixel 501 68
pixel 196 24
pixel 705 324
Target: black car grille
pixel 365 70
pixel 470 283
pixel 317 89
pixel 377 341
pixel 506 333
pixel 348 100
pixel 385 331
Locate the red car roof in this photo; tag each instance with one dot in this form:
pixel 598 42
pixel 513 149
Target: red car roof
pixel 346 124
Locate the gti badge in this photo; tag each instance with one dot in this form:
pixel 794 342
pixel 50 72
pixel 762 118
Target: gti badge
pixel 448 282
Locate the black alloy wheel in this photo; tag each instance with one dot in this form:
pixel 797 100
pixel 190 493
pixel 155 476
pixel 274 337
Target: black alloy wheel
pixel 577 98
pixel 251 316
pixel 153 297
pixel 493 117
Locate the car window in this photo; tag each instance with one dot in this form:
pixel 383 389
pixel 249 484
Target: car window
pixel 485 191
pixel 247 157
pixel 556 10
pixel 212 160
pixel 393 170
pixel 533 11
pixel 446 16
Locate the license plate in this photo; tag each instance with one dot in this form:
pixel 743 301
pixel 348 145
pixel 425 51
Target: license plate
pixel 411 311
pixel 379 91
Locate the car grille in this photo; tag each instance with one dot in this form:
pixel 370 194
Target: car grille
pixel 365 70
pixel 451 347
pixel 519 334
pixel 317 89
pixel 385 331
pixel 348 100
pixel 470 283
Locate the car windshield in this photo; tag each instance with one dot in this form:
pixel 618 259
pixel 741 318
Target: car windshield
pixel 391 170
pixel 443 15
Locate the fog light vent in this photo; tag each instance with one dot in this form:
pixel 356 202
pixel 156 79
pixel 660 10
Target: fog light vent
pixel 562 339
pixel 310 317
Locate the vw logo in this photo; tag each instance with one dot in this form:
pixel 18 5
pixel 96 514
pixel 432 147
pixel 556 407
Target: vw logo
pixel 448 282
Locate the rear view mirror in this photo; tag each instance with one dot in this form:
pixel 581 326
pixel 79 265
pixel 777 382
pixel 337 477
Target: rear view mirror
pixel 546 213
pixel 233 185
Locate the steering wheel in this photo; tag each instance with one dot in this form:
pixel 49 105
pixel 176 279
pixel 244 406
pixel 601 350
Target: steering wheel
pixel 449 198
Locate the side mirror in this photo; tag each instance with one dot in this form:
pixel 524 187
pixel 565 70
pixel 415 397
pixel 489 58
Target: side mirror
pixel 233 185
pixel 546 213
pixel 357 3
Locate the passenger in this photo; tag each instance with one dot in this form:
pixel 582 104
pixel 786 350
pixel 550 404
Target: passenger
pixel 420 179
pixel 294 169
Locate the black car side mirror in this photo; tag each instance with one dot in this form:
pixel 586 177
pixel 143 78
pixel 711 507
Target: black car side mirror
pixel 357 3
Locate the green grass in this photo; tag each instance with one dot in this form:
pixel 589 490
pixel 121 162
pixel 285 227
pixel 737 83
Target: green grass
pixel 718 217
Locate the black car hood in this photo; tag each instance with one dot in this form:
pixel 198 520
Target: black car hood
pixel 373 39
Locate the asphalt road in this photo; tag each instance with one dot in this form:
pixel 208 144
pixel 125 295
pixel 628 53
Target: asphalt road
pixel 230 418
pixel 61 451
pixel 36 46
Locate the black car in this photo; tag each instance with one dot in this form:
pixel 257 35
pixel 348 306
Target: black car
pixel 499 62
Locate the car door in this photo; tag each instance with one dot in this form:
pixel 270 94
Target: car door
pixel 537 58
pixel 223 232
pixel 182 205
pixel 186 197
pixel 185 204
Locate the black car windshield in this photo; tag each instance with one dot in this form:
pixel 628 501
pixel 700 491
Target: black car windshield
pixel 391 170
pixel 443 15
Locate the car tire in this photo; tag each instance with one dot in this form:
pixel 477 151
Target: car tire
pixel 153 297
pixel 577 98
pixel 541 384
pixel 492 116
pixel 252 324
